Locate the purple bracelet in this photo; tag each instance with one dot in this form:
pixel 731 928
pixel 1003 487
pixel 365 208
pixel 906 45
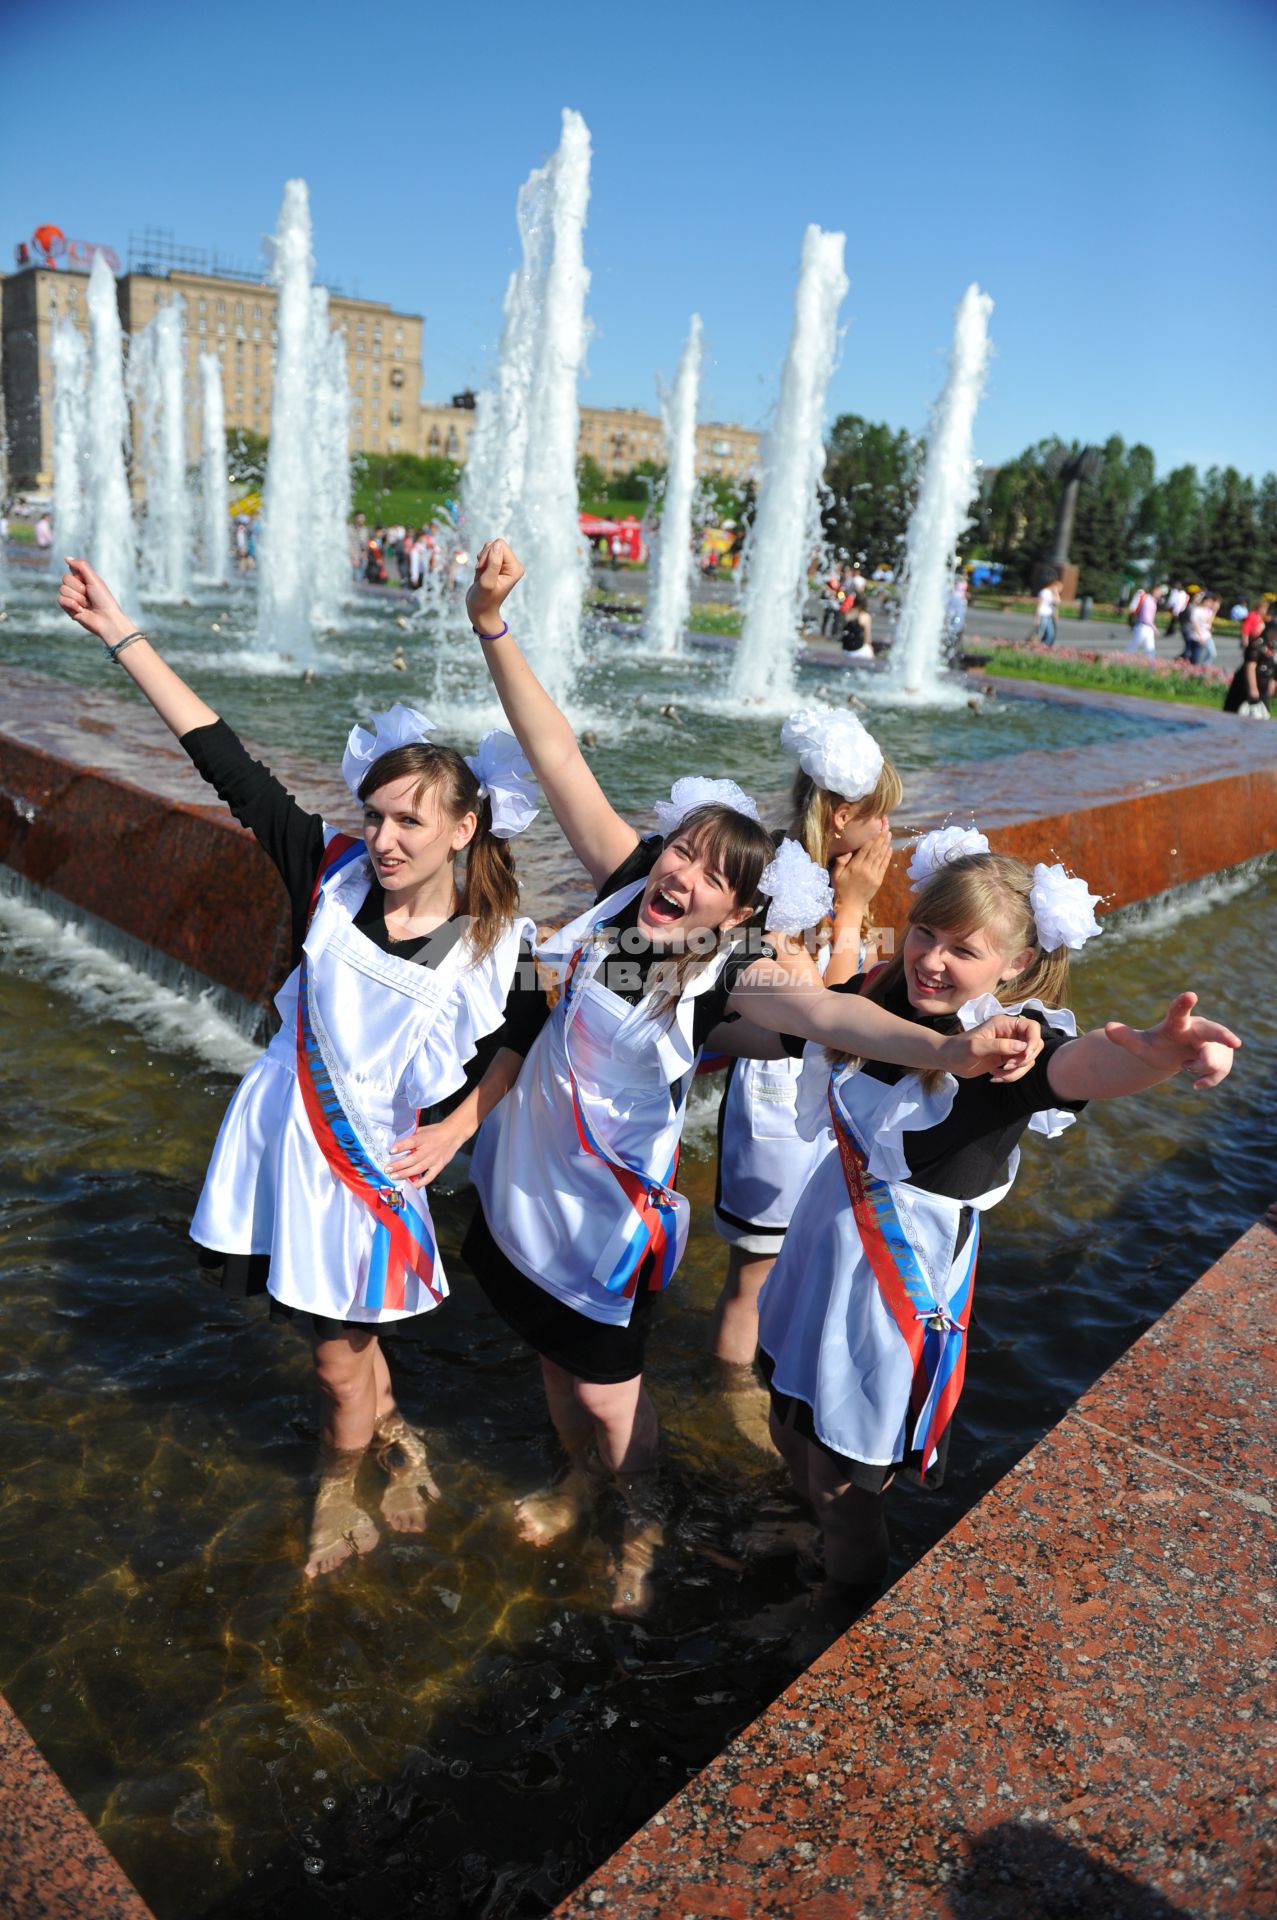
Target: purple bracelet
pixel 492 636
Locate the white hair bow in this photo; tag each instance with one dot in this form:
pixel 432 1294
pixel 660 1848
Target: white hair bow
pixel 1063 909
pixel 799 887
pixel 941 847
pixel 696 791
pixel 505 781
pixel 834 749
pixel 398 726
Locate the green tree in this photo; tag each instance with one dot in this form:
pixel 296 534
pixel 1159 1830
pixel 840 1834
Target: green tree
pixel 590 481
pixel 1226 543
pixel 246 455
pixel 871 476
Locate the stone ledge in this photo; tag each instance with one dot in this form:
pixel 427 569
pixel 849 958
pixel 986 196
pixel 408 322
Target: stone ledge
pixel 1064 1709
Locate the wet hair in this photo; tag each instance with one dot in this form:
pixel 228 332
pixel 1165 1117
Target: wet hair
pixel 739 848
pixel 982 892
pixel 489 891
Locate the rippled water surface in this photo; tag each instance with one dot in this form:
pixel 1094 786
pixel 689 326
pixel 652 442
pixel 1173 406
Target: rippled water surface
pixel 648 720
pixel 456 1724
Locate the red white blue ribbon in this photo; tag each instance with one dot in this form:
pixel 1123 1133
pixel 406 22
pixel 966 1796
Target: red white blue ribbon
pixel 654 1203
pixel 935 1335
pixel 403 1235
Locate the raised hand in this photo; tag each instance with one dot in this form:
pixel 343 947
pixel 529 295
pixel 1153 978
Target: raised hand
pixel 1004 1047
pixel 91 604
pixel 496 574
pixel 1181 1042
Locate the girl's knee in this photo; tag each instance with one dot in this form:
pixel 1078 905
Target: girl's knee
pixel 607 1399
pixel 343 1370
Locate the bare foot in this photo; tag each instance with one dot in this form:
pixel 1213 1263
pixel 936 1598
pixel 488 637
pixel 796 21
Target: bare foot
pixel 633 1584
pixel 340 1527
pixel 546 1516
pixel 401 1452
pixel 642 1537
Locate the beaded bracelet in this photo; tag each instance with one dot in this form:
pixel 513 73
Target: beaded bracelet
pixel 492 636
pixel 120 645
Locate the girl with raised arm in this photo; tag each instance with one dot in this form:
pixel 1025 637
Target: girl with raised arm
pixel 863 1319
pixel 579 1225
pixel 844 789
pixel 404 966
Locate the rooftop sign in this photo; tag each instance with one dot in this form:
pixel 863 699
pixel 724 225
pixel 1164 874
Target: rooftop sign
pixel 49 247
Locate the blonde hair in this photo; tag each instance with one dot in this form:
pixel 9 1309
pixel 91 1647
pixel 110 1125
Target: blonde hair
pixel 490 890
pixel 812 809
pixel 982 892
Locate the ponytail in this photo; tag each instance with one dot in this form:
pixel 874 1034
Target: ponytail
pixel 490 894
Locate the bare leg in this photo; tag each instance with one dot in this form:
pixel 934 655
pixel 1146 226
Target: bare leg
pixel 340 1526
pixel 733 1330
pixel 853 1522
pixel 544 1516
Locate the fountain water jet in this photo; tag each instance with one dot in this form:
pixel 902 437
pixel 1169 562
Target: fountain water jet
pixel 671 599
pixel 520 478
pixel 948 482
pixel 156 387
pixel 112 540
pixel 787 527
pixel 330 496
pixel 215 493
pixel 284 610
pixel 70 355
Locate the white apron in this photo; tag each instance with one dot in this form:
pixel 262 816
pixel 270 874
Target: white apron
pixel 828 1319
pixel 764 1162
pixel 555 1208
pixel 398 1037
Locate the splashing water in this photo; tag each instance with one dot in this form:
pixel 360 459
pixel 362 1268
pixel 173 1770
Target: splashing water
pixel 70 354
pixel 520 478
pixel 215 495
pixel 284 594
pixel 787 528
pixel 330 497
pixel 671 599
pixel 112 540
pixel 948 482
pixel 155 386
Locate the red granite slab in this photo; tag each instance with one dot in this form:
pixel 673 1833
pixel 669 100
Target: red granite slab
pixel 1065 1709
pixel 52 1864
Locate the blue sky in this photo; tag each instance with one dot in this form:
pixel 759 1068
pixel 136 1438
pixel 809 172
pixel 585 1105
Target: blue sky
pixel 1103 170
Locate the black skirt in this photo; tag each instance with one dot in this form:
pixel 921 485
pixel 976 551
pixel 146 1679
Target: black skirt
pixel 245 1275
pixel 592 1350
pixel 870 1478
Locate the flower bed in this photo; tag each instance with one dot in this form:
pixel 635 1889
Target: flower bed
pixel 1084 667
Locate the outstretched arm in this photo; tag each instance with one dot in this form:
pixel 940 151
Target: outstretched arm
pixel 777 999
pixel 596 832
pixel 1106 1064
pixel 93 606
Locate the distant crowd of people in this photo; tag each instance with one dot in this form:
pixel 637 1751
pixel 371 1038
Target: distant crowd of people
pixel 404 556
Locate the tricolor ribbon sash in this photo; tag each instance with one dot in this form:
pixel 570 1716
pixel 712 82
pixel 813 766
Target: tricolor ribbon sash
pixel 403 1237
pixel 935 1335
pixel 653 1202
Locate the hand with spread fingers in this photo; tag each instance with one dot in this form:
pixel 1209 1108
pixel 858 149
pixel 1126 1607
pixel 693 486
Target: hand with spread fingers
pixel 1181 1042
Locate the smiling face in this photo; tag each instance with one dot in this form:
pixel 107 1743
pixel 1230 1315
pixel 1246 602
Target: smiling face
pixel 688 891
pixel 944 968
pixel 410 840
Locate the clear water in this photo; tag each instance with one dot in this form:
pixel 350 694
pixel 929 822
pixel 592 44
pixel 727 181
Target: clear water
pixel 455 1724
pixel 636 748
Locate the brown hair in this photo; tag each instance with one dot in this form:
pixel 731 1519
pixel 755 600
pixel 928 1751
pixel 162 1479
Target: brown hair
pixel 490 891
pixel 982 891
pixel 735 846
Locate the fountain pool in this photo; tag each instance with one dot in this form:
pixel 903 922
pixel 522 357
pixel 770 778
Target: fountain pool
pixel 455 1722
pixel 624 695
